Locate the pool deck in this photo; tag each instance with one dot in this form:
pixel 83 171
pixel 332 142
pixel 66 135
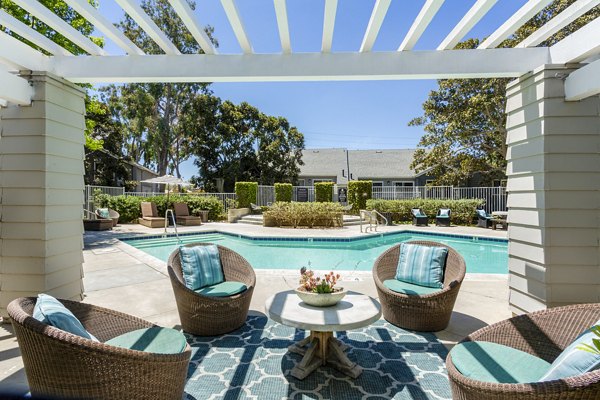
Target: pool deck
pixel 123 278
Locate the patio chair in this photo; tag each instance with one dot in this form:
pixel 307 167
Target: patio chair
pixel 183 217
pixel 419 217
pixel 255 209
pixel 443 217
pixel 427 312
pixel 150 217
pixel 543 334
pixel 207 315
pixel 62 365
pixel 104 213
pixel 484 220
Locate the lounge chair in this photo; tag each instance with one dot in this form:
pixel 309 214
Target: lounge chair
pixel 427 312
pixel 150 217
pixel 207 315
pixel 104 213
pixel 61 365
pixel 183 217
pixel 543 334
pixel 419 217
pixel 255 209
pixel 443 217
pixel 484 220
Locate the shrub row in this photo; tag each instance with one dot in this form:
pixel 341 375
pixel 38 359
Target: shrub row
pixel 245 193
pixel 303 214
pixel 463 211
pixel 283 192
pixel 358 194
pixel 324 192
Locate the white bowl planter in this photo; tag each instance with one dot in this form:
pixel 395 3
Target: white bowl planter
pixel 321 299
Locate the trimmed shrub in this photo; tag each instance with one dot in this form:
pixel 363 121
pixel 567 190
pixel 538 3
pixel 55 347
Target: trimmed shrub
pixel 463 210
pixel 246 193
pixel 305 214
pixel 324 192
pixel 283 192
pixel 198 203
pixel 358 194
pixel 128 207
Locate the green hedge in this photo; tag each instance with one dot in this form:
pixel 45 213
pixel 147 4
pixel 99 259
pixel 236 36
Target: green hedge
pixel 463 211
pixel 246 193
pixel 324 192
pixel 358 194
pixel 283 192
pixel 304 214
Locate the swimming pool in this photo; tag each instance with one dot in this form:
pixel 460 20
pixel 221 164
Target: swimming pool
pixel 482 255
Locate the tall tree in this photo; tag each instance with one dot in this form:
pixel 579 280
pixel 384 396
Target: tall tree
pixel 465 121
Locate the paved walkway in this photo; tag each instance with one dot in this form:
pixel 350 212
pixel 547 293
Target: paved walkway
pixel 125 279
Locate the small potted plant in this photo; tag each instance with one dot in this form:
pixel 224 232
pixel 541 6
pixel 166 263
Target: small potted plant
pixel 317 291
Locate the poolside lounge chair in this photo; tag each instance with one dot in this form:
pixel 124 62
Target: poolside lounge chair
pixel 419 217
pixel 255 209
pixel 428 312
pixel 61 365
pixel 183 217
pixel 543 334
pixel 484 220
pixel 207 315
pixel 443 217
pixel 150 217
pixel 112 214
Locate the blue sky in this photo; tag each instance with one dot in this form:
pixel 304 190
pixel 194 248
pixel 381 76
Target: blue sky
pixel 355 115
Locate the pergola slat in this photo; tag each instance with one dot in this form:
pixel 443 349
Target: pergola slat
pixel 578 46
pixel 377 16
pixel 583 83
pixel 471 18
pixel 14 89
pixel 430 8
pixel 283 25
pixel 20 56
pixel 33 36
pixel 237 25
pixel 186 14
pixel 328 25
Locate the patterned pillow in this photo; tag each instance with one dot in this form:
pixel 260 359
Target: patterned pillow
pixel 444 212
pixel 50 311
pixel 422 265
pixel 104 213
pixel 201 266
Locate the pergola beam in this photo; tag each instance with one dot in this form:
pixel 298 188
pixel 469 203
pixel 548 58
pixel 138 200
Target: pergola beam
pixel 518 19
pixel 328 25
pixel 303 67
pixel 33 36
pixel 430 8
pixel 186 14
pixel 14 89
pixel 55 22
pixel 579 45
pixel 377 16
pixel 233 15
pixel 471 18
pixel 283 25
pixel 20 56
pixel 583 83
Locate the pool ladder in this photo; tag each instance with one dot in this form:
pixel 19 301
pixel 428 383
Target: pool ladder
pixel 372 216
pixel 169 211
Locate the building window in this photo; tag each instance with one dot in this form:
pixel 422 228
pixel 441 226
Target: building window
pixel 404 184
pixel 377 183
pixel 499 183
pixel 301 182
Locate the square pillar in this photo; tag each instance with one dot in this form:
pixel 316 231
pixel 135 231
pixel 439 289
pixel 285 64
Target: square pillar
pixel 41 192
pixel 553 193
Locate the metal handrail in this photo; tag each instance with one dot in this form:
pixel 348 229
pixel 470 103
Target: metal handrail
pixel 370 216
pixel 169 211
pixel 378 213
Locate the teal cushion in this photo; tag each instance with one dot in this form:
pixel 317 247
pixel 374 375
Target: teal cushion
pixel 492 362
pixel 408 288
pixel 51 311
pixel 482 213
pixel 201 266
pixel 151 340
pixel 104 213
pixel 574 360
pixel 422 265
pixel 223 289
pixel 444 212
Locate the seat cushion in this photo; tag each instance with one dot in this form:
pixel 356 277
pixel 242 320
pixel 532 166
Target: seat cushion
pixel 201 266
pixel 151 340
pixel 422 265
pixel 496 363
pixel 103 212
pixel 574 360
pixel 408 288
pixel 223 289
pixel 50 311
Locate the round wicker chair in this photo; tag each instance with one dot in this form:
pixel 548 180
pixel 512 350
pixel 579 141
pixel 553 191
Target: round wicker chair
pixel 427 313
pixel 210 316
pixel 61 365
pixel 544 334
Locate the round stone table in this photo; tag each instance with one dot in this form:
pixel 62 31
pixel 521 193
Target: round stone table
pixel 321 347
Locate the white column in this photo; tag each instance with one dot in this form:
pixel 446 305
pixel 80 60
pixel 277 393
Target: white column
pixel 41 192
pixel 553 193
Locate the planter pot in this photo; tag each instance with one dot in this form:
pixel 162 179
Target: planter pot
pixel 204 215
pixel 233 214
pixel 321 299
pixel 269 221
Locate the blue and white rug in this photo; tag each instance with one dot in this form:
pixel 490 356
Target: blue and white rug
pixel 253 363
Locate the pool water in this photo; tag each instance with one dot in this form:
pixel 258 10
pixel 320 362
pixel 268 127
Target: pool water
pixel 481 256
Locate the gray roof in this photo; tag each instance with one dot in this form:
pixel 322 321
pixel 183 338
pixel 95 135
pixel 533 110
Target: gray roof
pixel 384 164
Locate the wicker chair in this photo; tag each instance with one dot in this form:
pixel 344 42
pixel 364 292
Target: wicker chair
pixel 544 334
pixel 443 220
pixel 419 217
pixel 150 217
pixel 62 365
pixel 210 316
pixel 483 221
pixel 183 217
pixel 426 313
pixel 112 214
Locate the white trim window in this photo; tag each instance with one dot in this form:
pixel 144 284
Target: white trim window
pixel 404 183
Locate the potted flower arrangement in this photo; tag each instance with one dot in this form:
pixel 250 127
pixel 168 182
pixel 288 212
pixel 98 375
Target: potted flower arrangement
pixel 317 291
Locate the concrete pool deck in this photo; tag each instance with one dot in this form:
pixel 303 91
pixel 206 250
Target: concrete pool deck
pixel 122 278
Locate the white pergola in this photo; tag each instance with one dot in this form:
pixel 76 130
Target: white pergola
pixel 575 60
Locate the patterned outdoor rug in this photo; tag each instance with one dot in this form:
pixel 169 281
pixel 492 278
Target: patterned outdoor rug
pixel 253 363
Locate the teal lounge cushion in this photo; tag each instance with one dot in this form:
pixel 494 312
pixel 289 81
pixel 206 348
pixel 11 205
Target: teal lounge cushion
pixel 422 265
pixel 223 289
pixel 574 360
pixel 483 214
pixel 52 312
pixel 104 213
pixel 151 340
pixel 496 363
pixel 408 288
pixel 201 266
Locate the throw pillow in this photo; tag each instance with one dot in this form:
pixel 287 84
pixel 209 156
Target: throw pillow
pixel 201 266
pixel 104 213
pixel 482 213
pixel 422 265
pixel 50 311
pixel 444 212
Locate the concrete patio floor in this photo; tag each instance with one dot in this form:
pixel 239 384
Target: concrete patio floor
pixel 119 277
